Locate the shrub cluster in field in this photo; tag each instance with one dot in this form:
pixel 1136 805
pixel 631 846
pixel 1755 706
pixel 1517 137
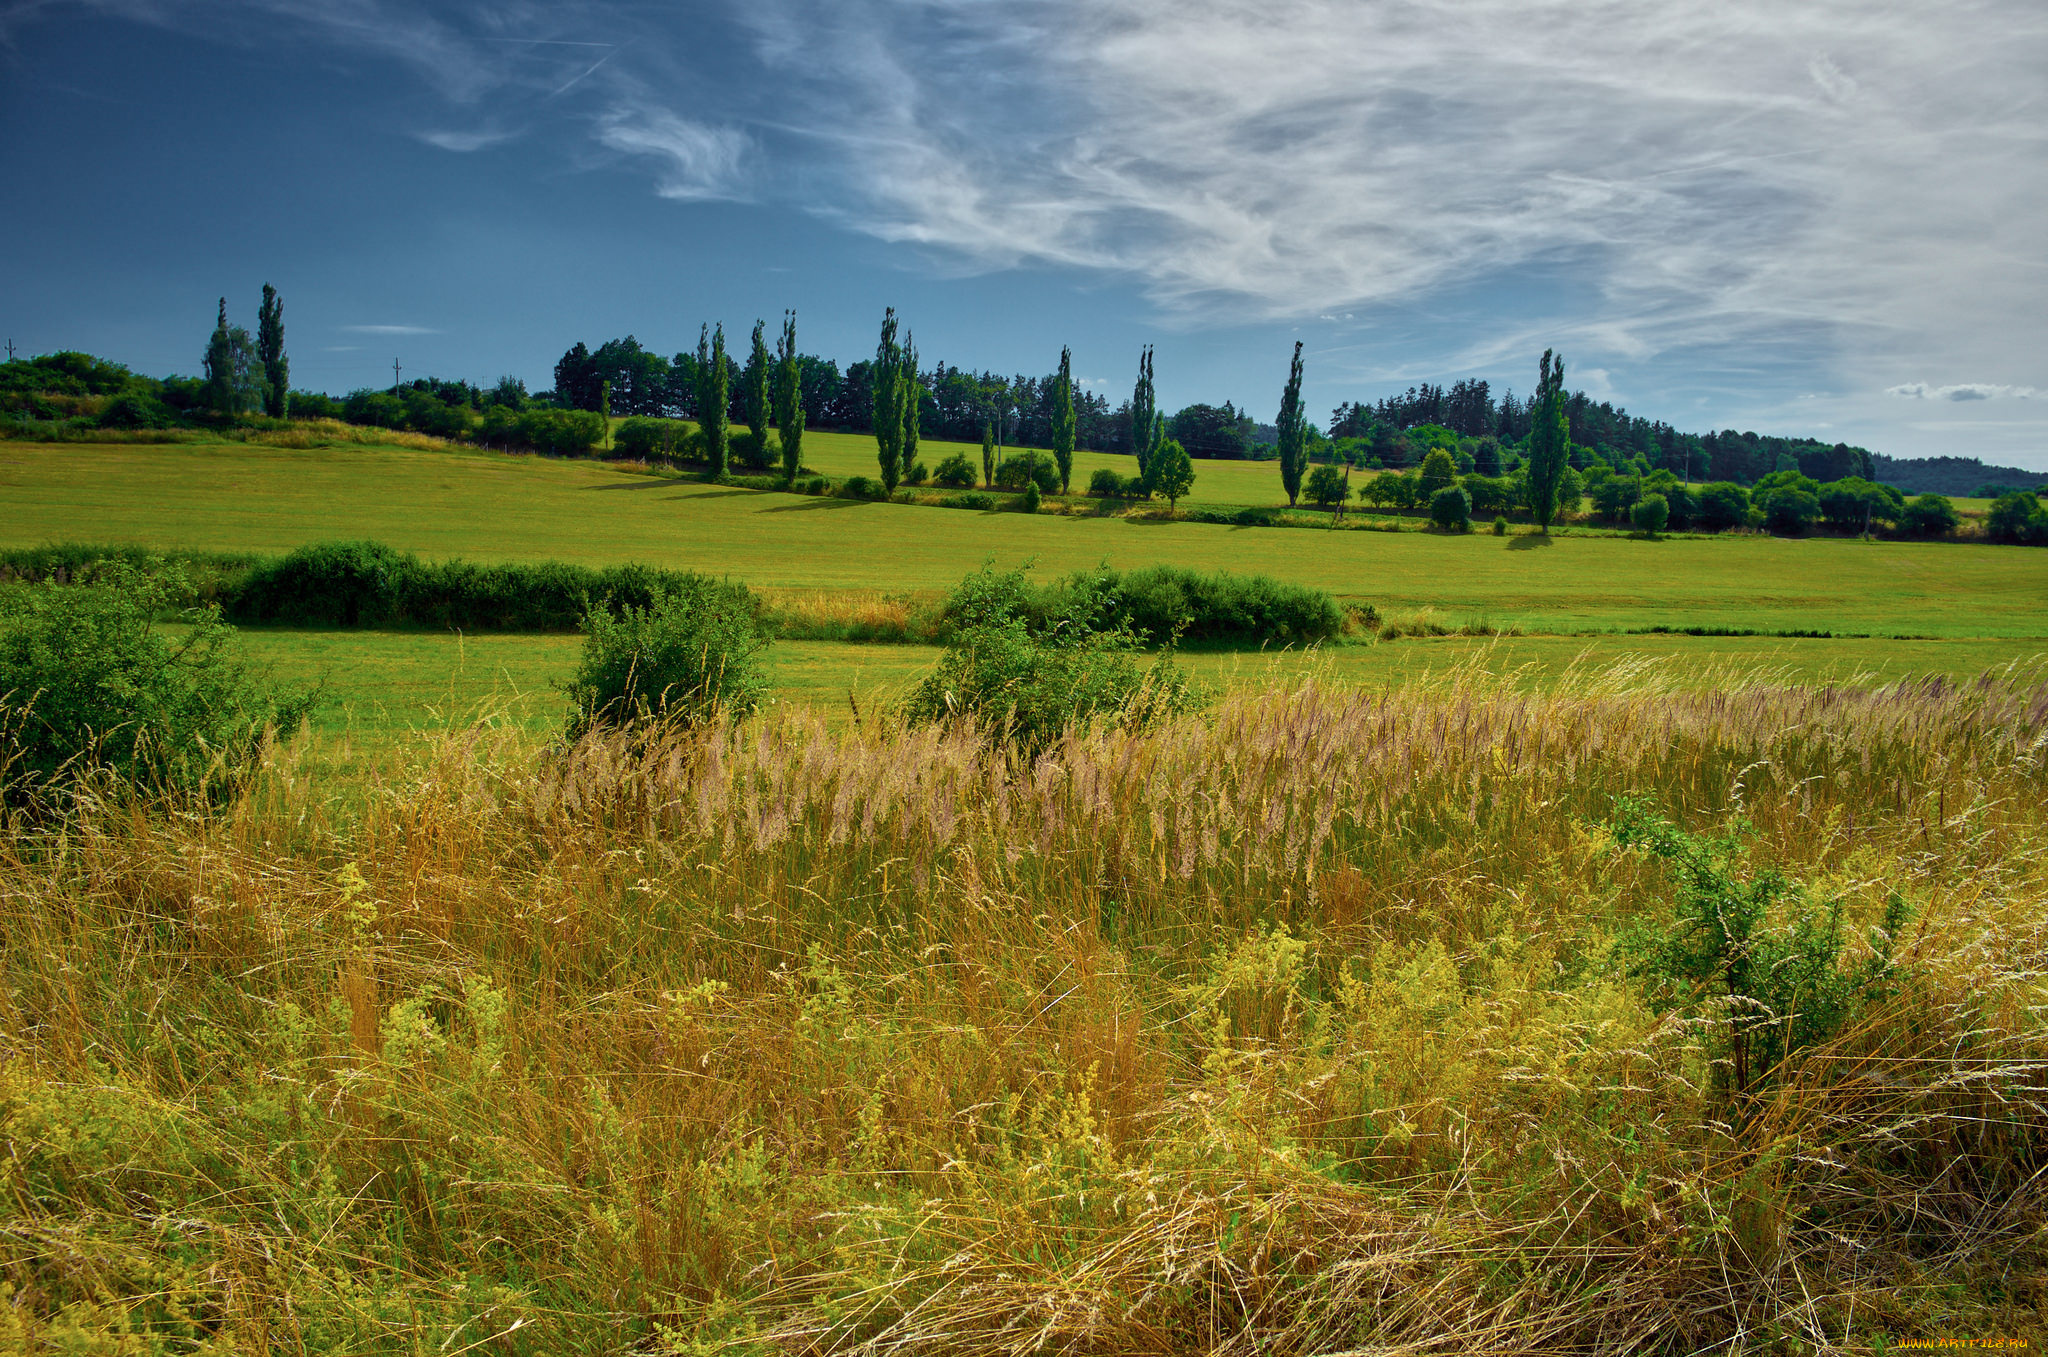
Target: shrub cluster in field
pixel 368 584
pixel 93 692
pixel 1158 604
pixel 1324 1022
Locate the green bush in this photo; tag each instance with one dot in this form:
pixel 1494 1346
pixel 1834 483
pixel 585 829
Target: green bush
pixel 1723 505
pixel 1026 679
pixel 969 499
pixel 1156 604
pixel 1451 508
pixel 1928 515
pixel 89 685
pixel 1788 510
pixel 685 658
pixel 2016 517
pixel 862 487
pixel 956 473
pixel 652 439
pixel 1029 469
pixel 1650 514
pixel 1500 527
pixel 368 584
pixel 1106 484
pixel 1785 982
pixel 1031 499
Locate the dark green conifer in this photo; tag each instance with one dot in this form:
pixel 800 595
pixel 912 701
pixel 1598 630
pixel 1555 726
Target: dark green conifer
pixel 277 372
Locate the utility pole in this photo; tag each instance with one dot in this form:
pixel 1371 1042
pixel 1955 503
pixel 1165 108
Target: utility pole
pixel 10 350
pixel 394 376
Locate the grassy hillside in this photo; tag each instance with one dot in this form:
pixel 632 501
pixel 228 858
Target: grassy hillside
pixel 485 506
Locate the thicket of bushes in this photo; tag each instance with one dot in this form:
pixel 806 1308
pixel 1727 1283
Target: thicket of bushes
pixel 91 688
pixel 368 584
pixel 1158 604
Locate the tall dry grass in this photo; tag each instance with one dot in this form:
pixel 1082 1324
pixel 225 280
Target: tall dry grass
pixel 1297 1028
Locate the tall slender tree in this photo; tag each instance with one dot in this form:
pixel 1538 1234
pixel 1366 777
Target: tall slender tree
pixel 277 371
pixel 789 399
pixel 1144 405
pixel 1062 415
pixel 1549 442
pixel 604 410
pixel 755 400
pixel 713 393
pixel 1293 432
pixel 888 396
pixel 988 454
pixel 913 402
pixel 220 365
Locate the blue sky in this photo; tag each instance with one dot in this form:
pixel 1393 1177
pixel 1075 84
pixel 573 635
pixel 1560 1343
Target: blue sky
pixel 1814 218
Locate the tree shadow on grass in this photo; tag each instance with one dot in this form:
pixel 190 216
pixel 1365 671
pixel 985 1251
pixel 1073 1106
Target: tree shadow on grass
pixel 649 484
pixel 815 502
pixel 718 494
pixel 1529 541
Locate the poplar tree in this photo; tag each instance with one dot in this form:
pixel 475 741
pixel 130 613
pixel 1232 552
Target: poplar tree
pixel 277 371
pixel 1293 432
pixel 220 365
pixel 1549 442
pixel 789 399
pixel 1144 405
pixel 713 391
pixel 754 398
pixel 888 399
pixel 988 454
pixel 1063 420
pixel 604 410
pixel 913 406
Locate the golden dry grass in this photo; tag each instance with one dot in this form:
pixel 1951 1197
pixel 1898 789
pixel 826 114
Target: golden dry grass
pixel 1298 1027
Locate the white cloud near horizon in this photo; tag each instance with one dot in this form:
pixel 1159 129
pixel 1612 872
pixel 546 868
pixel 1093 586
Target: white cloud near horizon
pixel 389 330
pixel 1961 391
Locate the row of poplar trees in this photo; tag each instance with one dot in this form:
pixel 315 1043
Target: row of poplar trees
pixel 897 391
pixel 770 389
pixel 1549 434
pixel 242 372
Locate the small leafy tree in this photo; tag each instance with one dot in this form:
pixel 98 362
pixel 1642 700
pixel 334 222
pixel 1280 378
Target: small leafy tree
pixel 686 658
pixel 232 384
pixel 988 455
pixel 2016 516
pixel 1438 471
pixel 1929 515
pixel 1650 514
pixel 955 473
pixel 1172 471
pixel 1327 487
pixel 1451 509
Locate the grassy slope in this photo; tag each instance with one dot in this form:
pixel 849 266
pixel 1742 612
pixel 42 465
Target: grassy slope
pixel 486 506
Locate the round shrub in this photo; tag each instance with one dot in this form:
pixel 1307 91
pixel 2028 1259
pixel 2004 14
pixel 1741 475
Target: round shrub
pixel 1032 469
pixel 1032 498
pixel 1789 511
pixel 1106 484
pixel 955 473
pixel 1650 514
pixel 90 686
pixel 2016 517
pixel 918 474
pixel 1929 515
pixel 1451 509
pixel 686 658
pixel 1500 527
pixel 861 487
pixel 969 499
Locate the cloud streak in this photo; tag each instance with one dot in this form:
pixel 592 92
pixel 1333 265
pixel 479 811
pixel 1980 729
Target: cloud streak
pixel 1961 391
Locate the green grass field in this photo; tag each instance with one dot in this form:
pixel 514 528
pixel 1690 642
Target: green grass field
pixel 378 687
pixel 487 506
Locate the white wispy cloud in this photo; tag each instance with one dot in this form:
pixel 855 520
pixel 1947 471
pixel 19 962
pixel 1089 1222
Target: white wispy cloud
pixel 465 141
pixel 694 160
pixel 389 330
pixel 1961 391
